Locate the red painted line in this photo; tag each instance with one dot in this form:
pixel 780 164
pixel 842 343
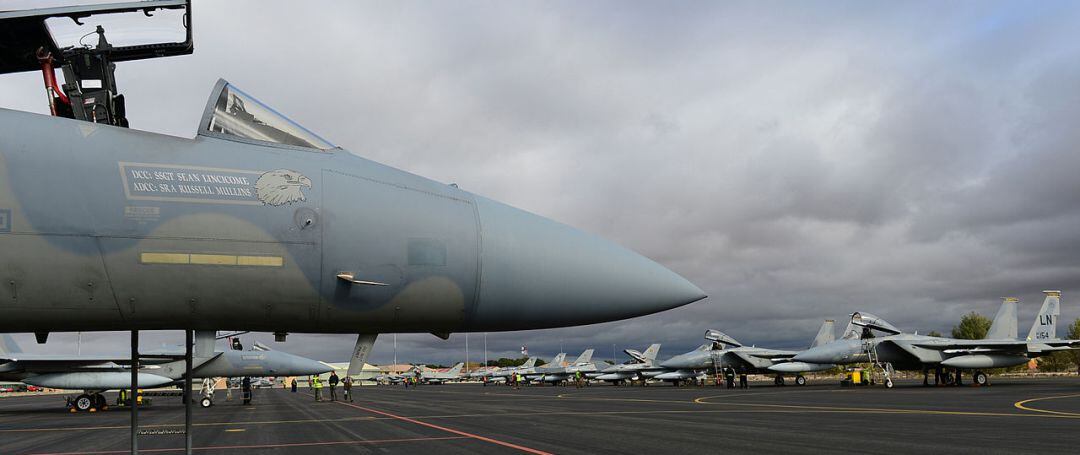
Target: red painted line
pixel 450 430
pixel 264 446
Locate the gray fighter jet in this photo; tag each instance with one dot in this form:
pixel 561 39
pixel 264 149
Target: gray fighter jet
pixel 641 365
pixel 257 223
pixel 556 374
pixel 108 228
pixel 725 352
pixel 536 373
pixel 431 376
pixel 906 351
pixel 98 373
pixel 503 374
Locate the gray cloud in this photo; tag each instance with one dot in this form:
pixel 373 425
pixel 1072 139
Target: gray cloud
pixel 797 161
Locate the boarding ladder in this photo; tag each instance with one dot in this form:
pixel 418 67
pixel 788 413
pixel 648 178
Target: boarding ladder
pixel 876 364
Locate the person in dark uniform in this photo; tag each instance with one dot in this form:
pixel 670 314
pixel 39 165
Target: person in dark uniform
pixel 245 389
pixel 743 384
pixel 293 385
pixel 333 385
pixel 729 377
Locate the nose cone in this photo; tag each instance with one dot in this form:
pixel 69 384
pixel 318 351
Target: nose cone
pixel 294 365
pixel 537 273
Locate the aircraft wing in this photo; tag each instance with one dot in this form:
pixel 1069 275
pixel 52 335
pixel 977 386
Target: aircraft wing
pixel 748 358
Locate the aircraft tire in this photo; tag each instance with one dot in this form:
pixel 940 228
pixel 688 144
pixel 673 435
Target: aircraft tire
pixel 84 402
pixel 800 380
pixel 888 383
pixel 980 378
pixel 100 402
pixel 206 402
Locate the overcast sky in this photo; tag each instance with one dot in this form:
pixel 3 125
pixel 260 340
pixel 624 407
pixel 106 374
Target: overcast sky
pixel 796 160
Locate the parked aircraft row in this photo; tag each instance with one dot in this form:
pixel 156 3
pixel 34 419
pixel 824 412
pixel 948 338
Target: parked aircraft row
pixel 95 374
pixel 867 339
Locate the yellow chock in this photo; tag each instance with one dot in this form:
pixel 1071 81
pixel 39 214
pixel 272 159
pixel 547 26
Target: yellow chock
pixel 93 409
pixel 72 410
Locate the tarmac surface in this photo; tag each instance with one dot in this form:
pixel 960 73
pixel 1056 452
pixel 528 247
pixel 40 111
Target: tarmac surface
pixel 1011 415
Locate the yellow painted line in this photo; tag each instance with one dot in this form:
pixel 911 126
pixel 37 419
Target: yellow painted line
pixel 1022 405
pixel 264 261
pixel 840 409
pixel 211 259
pixel 164 258
pixel 235 430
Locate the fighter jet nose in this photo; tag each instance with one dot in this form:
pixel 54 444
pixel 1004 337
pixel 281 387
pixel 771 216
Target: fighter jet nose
pixel 537 273
pixel 302 366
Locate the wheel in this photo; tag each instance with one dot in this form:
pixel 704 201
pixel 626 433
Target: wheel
pixel 100 402
pixel 980 378
pixel 84 402
pixel 888 383
pixel 800 380
pixel 206 402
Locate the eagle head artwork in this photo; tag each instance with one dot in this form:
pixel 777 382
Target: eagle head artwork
pixel 281 186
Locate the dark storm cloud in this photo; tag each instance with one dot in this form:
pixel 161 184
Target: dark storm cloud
pixel 798 161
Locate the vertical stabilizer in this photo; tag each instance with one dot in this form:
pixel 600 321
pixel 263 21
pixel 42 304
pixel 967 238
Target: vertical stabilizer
pixel 1045 327
pixel 364 343
pixel 8 344
pixel 650 354
pixel 1004 326
pixel 204 342
pixel 529 363
pixel 456 370
pixel 559 359
pixel 585 357
pixel 825 333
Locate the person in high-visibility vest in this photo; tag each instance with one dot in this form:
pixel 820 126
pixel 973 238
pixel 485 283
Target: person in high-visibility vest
pixel 316 384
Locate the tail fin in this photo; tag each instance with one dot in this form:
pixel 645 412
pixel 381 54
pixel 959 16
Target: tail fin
pixel 559 359
pixel 529 363
pixel 8 345
pixel 364 343
pixel 650 354
pixel 204 341
pixel 585 357
pixel 825 334
pixel 1045 327
pixel 1004 326
pixel 456 368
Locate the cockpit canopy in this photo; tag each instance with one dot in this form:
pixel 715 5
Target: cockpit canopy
pixel 231 113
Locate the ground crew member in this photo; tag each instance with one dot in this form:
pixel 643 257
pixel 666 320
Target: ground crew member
pixel 293 385
pixel 333 385
pixel 316 384
pixel 743 384
pixel 577 376
pixel 346 384
pixel 245 388
pixel 729 377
